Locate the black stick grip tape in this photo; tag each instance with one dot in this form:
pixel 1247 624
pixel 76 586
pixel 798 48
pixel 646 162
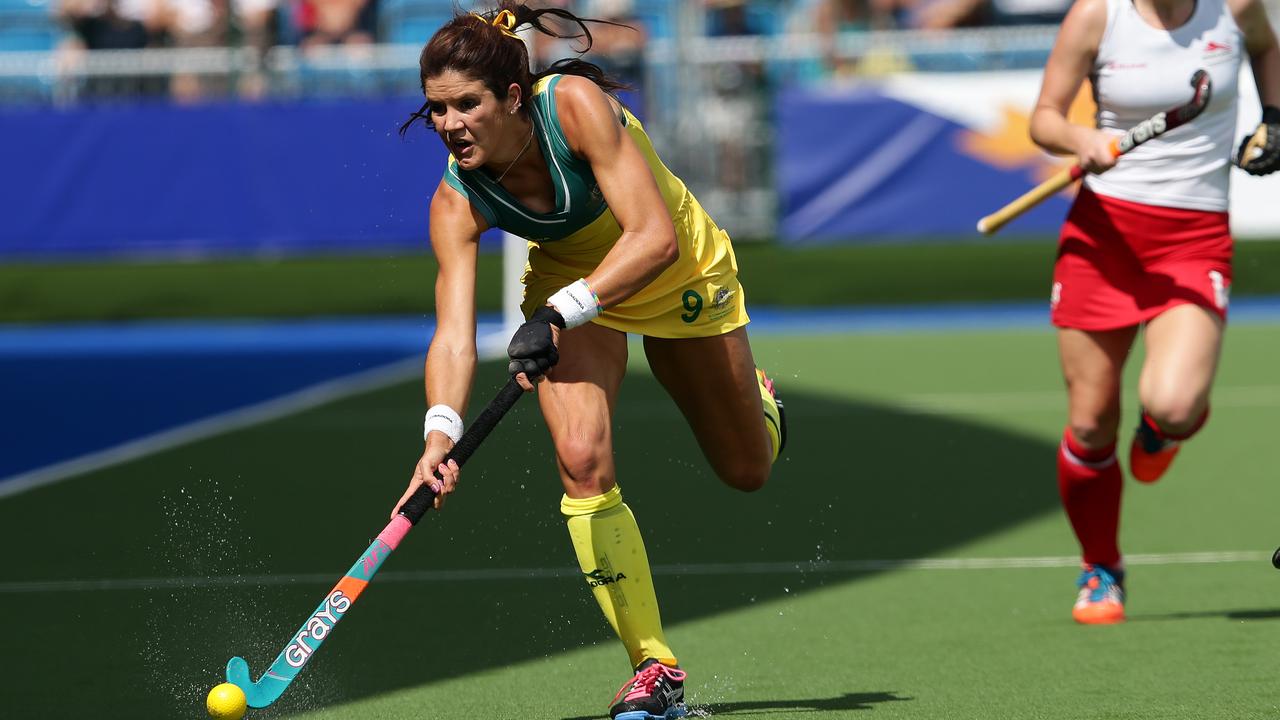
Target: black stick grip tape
pixel 421 500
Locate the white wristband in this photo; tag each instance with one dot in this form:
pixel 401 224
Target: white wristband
pixel 445 419
pixel 577 303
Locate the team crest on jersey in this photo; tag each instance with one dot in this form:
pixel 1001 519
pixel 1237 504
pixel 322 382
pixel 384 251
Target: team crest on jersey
pixel 722 303
pixel 721 298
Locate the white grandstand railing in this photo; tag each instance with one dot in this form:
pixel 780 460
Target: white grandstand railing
pixel 203 61
pixel 700 50
pixel 130 63
pixel 370 57
pixel 809 46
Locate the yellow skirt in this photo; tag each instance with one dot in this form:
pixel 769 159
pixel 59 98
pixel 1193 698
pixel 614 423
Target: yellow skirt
pixel 698 296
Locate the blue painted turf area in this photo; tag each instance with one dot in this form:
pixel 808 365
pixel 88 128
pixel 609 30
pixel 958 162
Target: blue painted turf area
pixel 72 390
pixel 60 407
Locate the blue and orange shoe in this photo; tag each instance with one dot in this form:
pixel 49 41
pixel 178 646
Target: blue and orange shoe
pixel 775 417
pixel 1151 453
pixel 655 692
pixel 1101 598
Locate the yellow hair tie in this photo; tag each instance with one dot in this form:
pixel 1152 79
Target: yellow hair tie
pixel 504 21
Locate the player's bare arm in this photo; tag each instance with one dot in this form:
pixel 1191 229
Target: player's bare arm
pixel 451 359
pixel 647 245
pixel 1070 61
pixel 455 241
pixel 1260 43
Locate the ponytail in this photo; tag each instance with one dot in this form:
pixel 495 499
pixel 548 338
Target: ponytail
pixel 487 47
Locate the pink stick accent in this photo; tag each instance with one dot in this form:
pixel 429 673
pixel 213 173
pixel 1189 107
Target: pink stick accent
pixel 395 531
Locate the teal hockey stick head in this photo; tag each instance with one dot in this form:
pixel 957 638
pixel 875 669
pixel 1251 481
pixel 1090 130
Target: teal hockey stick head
pixel 257 694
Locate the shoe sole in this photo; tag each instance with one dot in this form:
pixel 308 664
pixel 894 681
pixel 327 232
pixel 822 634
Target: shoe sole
pixel 677 711
pixel 1149 467
pixel 1091 621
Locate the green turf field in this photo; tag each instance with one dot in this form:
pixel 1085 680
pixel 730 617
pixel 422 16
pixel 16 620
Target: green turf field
pixel 402 284
pixel 902 446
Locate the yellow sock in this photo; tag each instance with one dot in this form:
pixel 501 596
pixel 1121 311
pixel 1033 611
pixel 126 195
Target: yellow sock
pixel 611 555
pixel 772 415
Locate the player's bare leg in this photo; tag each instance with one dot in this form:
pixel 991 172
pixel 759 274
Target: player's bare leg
pixel 1183 346
pixel 713 381
pixel 1089 479
pixel 577 400
pixel 1092 363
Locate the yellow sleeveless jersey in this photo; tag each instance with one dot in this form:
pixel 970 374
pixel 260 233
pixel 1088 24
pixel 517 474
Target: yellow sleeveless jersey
pixel 697 296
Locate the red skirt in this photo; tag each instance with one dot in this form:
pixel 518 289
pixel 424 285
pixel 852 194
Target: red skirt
pixel 1122 263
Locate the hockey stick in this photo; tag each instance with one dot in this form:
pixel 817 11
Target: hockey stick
pixel 307 640
pixel 1154 126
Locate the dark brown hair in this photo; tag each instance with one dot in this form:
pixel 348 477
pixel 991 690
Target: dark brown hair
pixel 473 45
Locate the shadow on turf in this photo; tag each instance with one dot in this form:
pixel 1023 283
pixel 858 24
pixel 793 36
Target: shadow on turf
pixel 305 494
pixel 848 701
pixel 1258 614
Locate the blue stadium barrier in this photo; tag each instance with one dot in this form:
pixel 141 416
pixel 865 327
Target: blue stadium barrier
pixel 148 180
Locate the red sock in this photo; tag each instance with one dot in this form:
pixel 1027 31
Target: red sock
pixel 1089 483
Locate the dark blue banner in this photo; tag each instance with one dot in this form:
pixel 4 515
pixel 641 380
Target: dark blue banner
pixel 164 180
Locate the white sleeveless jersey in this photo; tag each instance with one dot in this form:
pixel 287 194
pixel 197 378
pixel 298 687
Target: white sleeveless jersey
pixel 1141 71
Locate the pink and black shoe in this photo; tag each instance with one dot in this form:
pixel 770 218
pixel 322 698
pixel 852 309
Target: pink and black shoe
pixel 655 692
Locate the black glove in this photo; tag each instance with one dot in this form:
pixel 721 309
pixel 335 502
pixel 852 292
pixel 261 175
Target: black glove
pixel 1259 153
pixel 531 350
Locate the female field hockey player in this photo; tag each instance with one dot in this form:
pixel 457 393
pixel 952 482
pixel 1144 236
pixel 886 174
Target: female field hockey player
pixel 1147 242
pixel 617 245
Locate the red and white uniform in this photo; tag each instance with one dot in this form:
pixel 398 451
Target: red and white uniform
pixel 1153 231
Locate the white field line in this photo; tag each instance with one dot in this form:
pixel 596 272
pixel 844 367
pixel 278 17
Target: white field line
pixel 297 401
pixel 1003 402
pixel 514 574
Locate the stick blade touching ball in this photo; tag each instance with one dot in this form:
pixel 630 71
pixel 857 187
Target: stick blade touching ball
pixel 257 694
pixel 225 702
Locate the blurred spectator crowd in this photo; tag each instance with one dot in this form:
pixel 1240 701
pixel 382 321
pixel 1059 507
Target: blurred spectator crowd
pixel 130 24
pixel 73 26
pixel 100 24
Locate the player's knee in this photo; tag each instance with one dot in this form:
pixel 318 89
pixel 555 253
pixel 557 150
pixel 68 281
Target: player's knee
pixel 1094 432
pixel 1175 414
pixel 1094 423
pixel 744 476
pixel 583 461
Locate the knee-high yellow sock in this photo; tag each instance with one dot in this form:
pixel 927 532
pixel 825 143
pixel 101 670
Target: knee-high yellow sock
pixel 611 554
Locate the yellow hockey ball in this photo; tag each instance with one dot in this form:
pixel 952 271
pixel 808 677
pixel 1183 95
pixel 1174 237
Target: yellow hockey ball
pixel 226 702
